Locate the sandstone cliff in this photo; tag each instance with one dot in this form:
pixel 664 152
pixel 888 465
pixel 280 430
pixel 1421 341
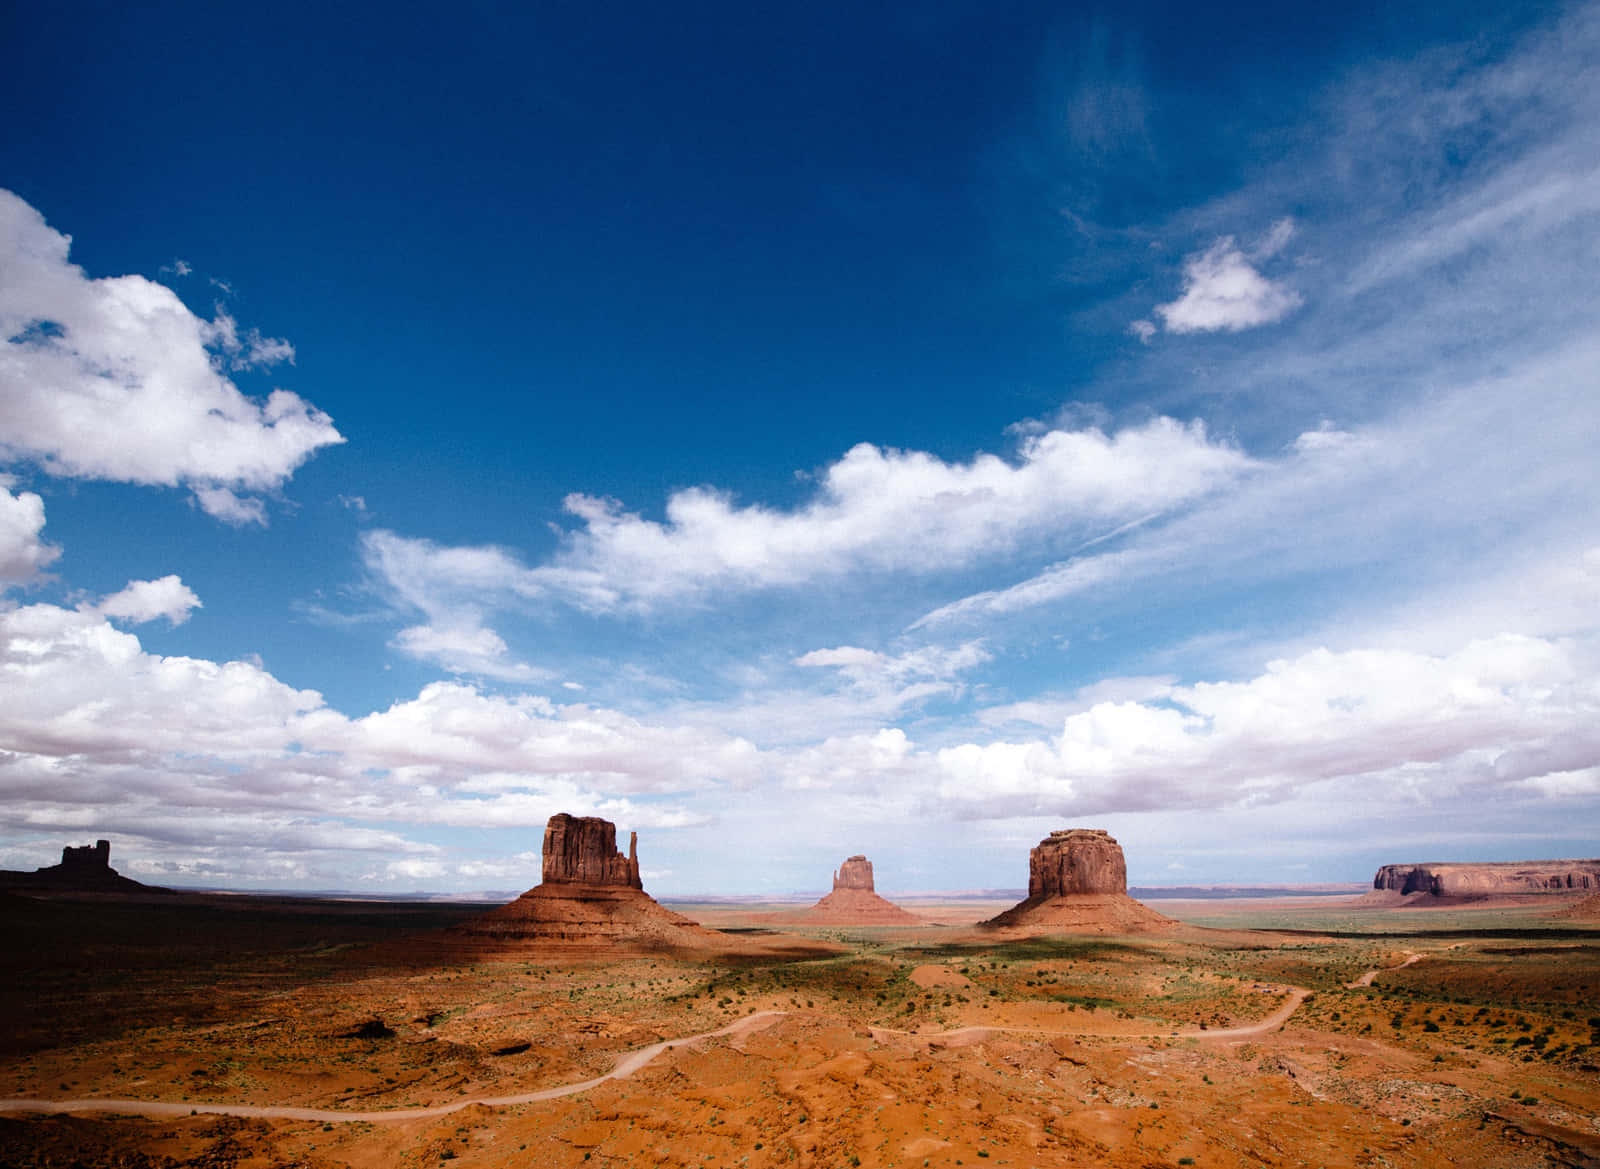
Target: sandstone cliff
pixel 591 898
pixel 582 850
pixel 855 873
pixel 1078 883
pixel 1490 878
pixel 854 901
pixel 1077 860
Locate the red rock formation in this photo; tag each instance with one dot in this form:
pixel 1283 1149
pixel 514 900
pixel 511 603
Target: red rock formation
pixel 854 901
pixel 582 850
pixel 1078 883
pixel 85 868
pixel 1077 860
pixel 855 873
pixel 1490 878
pixel 591 897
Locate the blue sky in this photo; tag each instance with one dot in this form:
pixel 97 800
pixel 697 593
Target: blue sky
pixel 788 435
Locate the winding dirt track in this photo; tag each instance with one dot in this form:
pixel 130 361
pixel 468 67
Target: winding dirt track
pixel 1366 979
pixel 626 1066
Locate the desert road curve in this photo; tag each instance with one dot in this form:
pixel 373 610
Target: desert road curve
pixel 626 1066
pixel 1366 979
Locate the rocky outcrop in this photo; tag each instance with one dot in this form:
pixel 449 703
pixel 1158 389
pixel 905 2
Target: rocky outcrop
pixel 1490 878
pixel 582 850
pixel 83 869
pixel 855 902
pixel 855 873
pixel 1078 883
pixel 591 898
pixel 1077 860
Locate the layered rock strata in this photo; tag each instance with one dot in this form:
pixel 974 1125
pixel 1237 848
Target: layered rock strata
pixel 1078 883
pixel 1490 878
pixel 854 900
pixel 855 873
pixel 1077 860
pixel 582 850
pixel 591 897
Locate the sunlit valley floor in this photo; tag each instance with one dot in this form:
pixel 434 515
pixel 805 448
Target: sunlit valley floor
pixel 1474 1043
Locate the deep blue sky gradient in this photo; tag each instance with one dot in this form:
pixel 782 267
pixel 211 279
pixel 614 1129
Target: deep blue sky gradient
pixel 529 250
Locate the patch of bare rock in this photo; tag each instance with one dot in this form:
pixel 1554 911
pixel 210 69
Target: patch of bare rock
pixel 855 901
pixel 592 902
pixel 1454 882
pixel 591 897
pixel 1078 883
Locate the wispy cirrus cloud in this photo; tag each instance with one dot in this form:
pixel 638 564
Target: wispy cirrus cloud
pixel 875 511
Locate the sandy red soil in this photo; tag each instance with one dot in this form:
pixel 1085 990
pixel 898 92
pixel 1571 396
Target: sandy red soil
pixel 900 1047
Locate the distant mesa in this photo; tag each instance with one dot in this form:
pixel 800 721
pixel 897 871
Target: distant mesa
pixel 1490 878
pixel 83 869
pixel 1078 883
pixel 591 897
pixel 855 902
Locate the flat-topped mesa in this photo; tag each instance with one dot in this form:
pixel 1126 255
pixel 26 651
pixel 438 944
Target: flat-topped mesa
pixel 84 868
pixel 1078 883
pixel 1077 860
pixel 582 850
pixel 1486 878
pixel 86 858
pixel 855 873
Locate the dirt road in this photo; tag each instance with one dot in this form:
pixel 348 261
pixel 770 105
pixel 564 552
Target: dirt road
pixel 626 1066
pixel 1366 979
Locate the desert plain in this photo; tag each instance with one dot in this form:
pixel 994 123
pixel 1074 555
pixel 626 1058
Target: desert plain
pixel 220 1031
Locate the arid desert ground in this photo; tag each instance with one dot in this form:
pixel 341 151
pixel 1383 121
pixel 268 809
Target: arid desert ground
pixel 1311 1031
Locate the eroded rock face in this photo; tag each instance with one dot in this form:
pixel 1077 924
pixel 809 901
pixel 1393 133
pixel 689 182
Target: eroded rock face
pixel 854 900
pixel 591 898
pixel 1491 877
pixel 582 850
pixel 855 873
pixel 1077 860
pixel 1078 883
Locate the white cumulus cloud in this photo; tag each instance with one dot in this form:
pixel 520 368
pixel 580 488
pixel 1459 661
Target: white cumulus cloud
pixel 116 379
pixel 145 600
pixel 1223 290
pixel 23 555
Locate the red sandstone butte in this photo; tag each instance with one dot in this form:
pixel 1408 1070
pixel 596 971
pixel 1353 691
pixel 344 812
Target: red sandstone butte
pixel 1078 883
pixel 582 850
pixel 591 896
pixel 855 902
